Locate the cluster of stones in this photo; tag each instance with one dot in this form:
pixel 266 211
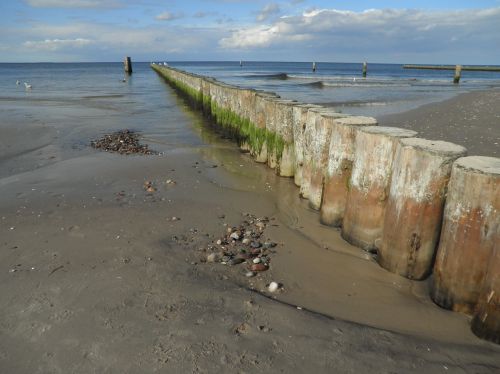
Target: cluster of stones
pixel 124 142
pixel 243 244
pixel 421 206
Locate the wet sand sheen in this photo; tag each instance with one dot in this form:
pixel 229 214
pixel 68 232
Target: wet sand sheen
pixel 124 279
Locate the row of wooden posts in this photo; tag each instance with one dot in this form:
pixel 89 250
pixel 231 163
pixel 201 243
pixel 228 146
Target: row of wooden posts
pixel 420 204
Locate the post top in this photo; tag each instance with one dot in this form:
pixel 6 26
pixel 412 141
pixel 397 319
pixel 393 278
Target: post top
pixel 394 132
pixel 480 164
pixel 357 121
pixel 321 109
pixel 435 146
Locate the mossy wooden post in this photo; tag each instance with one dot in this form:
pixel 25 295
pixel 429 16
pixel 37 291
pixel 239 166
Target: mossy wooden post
pixel 299 127
pixel 365 67
pixel 339 165
pixel 369 184
pixel 470 229
pixel 320 146
pixel 271 121
pixel 486 321
pixel 127 63
pixel 414 210
pixel 258 133
pixel 458 74
pixel 285 144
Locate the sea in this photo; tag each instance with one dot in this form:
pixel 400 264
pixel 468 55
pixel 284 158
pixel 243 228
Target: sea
pixel 387 88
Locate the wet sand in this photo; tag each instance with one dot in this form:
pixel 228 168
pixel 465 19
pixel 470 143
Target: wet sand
pixel 471 120
pixel 97 277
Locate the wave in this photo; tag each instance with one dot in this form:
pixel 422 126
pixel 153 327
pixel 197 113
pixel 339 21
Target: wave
pixel 279 76
pixel 354 103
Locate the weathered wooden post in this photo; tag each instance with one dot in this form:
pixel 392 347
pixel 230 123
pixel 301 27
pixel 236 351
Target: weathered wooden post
pixel 313 114
pixel 369 184
pixel 320 147
pixel 339 166
pixel 299 128
pixel 285 151
pixel 365 67
pixel 470 228
pixel 458 74
pixel 128 65
pixel 412 223
pixel 486 321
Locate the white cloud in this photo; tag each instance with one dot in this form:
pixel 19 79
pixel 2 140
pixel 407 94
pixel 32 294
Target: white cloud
pixel 56 44
pixel 168 16
pixel 268 11
pixel 373 31
pixel 73 3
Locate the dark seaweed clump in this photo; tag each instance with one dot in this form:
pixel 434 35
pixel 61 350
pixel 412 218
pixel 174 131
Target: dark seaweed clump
pixel 124 142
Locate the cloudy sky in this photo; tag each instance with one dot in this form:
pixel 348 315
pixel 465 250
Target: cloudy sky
pixel 424 31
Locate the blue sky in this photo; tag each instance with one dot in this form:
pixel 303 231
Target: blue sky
pixel 466 32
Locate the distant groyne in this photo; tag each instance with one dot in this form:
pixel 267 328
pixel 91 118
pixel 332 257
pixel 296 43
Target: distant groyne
pixel 421 205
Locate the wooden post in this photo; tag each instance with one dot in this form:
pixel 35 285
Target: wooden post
pixel 415 206
pixel 458 73
pixel 470 224
pixel 486 321
pixel 320 147
pixel 128 65
pixel 299 129
pixel 365 66
pixel 309 139
pixel 339 166
pixel 314 67
pixel 369 184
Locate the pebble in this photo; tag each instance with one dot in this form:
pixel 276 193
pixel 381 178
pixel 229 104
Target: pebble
pixel 219 242
pixel 246 241
pixel 255 245
pixel 273 287
pixel 260 225
pixel 175 219
pixel 213 257
pixel 150 189
pixel 235 235
pixel 250 274
pixel 256 260
pixel 259 267
pixel 269 245
pixel 225 258
pixel 235 261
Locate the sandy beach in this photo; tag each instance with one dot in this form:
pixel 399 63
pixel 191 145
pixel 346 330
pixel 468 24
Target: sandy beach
pixel 100 276
pixel 471 120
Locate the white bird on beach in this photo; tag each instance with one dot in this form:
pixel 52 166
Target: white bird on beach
pixel 18 83
pixel 28 86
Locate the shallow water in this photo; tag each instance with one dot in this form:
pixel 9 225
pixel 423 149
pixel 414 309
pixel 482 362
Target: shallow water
pixel 387 89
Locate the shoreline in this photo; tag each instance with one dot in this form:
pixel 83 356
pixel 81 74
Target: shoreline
pixel 105 280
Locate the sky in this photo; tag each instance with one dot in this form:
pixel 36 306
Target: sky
pixel 387 31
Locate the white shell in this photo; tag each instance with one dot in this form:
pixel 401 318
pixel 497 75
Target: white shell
pixel 273 287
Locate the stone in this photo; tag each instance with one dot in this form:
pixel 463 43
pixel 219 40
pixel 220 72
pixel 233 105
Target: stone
pixel 213 257
pixel 259 267
pixel 273 287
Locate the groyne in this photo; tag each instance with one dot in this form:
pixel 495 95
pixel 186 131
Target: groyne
pixel 407 199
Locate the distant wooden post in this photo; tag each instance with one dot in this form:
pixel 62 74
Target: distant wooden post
pixel 314 67
pixel 364 69
pixel 128 65
pixel 458 73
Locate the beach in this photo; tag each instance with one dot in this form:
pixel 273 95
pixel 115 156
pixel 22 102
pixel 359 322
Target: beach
pixel 99 275
pixel 471 119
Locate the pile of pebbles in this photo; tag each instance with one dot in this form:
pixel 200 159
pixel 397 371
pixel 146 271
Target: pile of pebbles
pixel 244 245
pixel 124 142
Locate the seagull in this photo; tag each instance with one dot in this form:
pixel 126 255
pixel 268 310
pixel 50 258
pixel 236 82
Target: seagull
pixel 124 80
pixel 18 83
pixel 28 86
